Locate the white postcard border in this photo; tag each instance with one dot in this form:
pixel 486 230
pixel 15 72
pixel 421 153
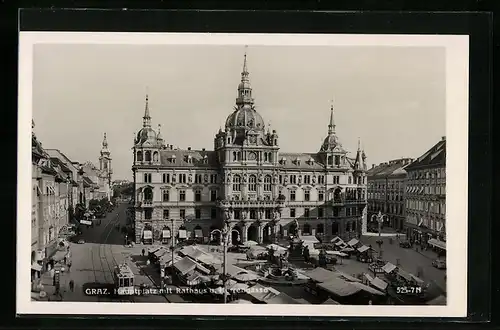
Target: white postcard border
pixel 457 82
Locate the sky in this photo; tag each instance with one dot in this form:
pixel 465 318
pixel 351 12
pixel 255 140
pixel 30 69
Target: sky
pixel 391 98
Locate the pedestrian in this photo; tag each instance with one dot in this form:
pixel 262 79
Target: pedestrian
pixel 143 252
pixel 71 285
pixel 65 259
pixel 69 266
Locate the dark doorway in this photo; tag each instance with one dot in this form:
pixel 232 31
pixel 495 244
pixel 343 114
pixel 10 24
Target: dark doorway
pixel 253 233
pixel 235 236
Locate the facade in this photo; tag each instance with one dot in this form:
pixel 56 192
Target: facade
pixel 426 195
pixel 246 180
pixel 72 172
pixel 386 191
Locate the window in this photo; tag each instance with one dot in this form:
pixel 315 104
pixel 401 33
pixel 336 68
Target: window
pixel 321 196
pixel 321 179
pixel 306 213
pixel 237 214
pixel 320 212
pixel 237 183
pixel 182 178
pixel 139 156
pixel 166 195
pixel 320 229
pixel 281 179
pixel 335 211
pixel 182 213
pixel 148 214
pixel 213 195
pixel 166 178
pixel 336 179
pixel 267 214
pixel 197 195
pixel 292 213
pixel 166 214
pixel 252 186
pixel 182 195
pixel 348 211
pixel 253 214
pixel 267 183
pixel 349 179
pixel 307 179
pixel 307 195
pixel 198 178
pixel 197 214
pixel 213 178
pixel 293 179
pixel 292 195
pixel 213 213
pixel 148 156
pixel 147 177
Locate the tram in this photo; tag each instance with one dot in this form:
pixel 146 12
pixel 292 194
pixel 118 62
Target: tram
pixel 124 280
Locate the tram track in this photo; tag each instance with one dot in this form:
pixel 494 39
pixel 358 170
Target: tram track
pixel 100 248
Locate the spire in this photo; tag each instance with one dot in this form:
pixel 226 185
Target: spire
pixel 105 141
pixel 331 126
pixel 359 144
pixel 244 88
pixel 147 118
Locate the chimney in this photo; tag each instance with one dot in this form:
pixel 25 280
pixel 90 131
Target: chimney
pixel 373 165
pixel 189 148
pixel 443 138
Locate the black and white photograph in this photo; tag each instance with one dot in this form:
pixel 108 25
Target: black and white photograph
pixel 314 174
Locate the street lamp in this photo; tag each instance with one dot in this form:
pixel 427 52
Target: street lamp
pixel 225 242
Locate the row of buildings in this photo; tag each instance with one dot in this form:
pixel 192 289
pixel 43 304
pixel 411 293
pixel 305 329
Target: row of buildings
pixel 246 181
pixel 59 187
pixel 411 194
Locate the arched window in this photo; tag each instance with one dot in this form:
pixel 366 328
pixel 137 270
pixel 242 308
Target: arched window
pixel 139 156
pixel 239 155
pixel 337 196
pixel 236 183
pixel 307 229
pixel 267 183
pixel 252 186
pixel 148 156
pixel 265 157
pixel 234 156
pixel 155 156
pixel 330 160
pixel 320 229
pixel 350 180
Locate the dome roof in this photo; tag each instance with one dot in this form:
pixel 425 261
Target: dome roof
pixel 146 134
pixel 330 143
pixel 245 116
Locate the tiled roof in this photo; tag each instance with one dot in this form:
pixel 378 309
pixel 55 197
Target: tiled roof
pixel 188 158
pixel 300 161
pixel 434 157
pixel 387 169
pixel 88 181
pixel 59 163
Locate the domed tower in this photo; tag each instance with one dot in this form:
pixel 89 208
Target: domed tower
pixel 243 140
pixel 105 160
pixel 146 145
pixel 332 153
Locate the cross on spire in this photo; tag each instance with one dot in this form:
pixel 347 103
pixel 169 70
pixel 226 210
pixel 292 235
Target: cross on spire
pixel 147 118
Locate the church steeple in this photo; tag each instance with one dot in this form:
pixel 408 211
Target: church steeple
pixel 105 141
pixel 104 149
pixel 244 88
pixel 331 125
pixel 146 120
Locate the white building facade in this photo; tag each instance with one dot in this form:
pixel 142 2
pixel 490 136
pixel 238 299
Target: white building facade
pixel 264 194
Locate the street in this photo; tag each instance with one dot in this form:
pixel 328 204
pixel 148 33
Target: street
pixel 94 261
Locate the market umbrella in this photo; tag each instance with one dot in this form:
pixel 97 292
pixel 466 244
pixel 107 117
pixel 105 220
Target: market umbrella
pixel 250 243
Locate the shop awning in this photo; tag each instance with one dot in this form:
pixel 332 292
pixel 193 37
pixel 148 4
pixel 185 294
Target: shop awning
pixel 147 234
pixel 353 242
pixel 320 275
pixel 388 268
pixel 437 243
pixel 364 248
pixel 86 222
pixel 165 233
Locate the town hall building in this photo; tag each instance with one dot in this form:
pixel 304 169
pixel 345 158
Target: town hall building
pixel 263 193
